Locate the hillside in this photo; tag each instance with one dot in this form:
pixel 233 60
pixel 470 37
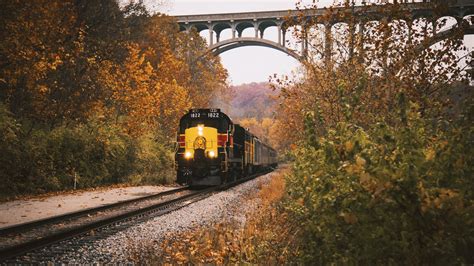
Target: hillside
pixel 253 100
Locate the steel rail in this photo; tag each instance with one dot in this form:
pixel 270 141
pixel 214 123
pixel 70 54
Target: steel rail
pixel 16 250
pixel 19 228
pixel 19 249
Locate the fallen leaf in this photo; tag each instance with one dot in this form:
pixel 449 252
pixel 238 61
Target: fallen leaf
pixel 430 154
pixel 350 218
pixel 349 146
pixel 360 161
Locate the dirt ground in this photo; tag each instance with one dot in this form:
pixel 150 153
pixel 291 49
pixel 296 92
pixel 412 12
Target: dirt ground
pixel 26 210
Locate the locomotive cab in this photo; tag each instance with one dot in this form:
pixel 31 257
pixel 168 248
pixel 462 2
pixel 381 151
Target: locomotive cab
pixel 203 144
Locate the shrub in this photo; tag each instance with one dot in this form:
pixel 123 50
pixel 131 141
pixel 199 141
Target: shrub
pixel 10 153
pixel 94 154
pixel 386 195
pixel 154 162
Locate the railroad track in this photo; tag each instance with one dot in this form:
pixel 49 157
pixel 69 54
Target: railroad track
pixel 18 239
pixel 23 238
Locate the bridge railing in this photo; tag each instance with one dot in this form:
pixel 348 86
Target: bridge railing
pixel 369 2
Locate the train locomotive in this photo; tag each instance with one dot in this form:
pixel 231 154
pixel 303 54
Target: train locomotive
pixel 212 150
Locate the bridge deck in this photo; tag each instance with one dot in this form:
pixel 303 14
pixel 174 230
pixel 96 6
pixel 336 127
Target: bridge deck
pixel 457 6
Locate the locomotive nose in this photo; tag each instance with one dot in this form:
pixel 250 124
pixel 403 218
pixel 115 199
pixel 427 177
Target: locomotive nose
pixel 199 148
pixel 199 155
pixel 200 143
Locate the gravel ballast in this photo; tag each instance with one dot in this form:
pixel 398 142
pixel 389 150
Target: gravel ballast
pixel 116 248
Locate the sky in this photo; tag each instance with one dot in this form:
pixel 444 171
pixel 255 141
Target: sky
pixel 251 63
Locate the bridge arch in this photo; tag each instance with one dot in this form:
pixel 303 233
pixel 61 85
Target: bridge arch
pixel 220 26
pixel 200 27
pixel 241 26
pixel 230 44
pixel 263 25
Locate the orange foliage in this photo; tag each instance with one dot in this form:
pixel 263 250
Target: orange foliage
pixel 141 100
pixel 70 61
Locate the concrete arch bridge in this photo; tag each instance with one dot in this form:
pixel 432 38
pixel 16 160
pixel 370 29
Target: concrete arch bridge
pixel 281 19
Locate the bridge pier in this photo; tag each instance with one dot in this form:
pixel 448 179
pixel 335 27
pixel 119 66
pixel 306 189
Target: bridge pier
pixel 279 34
pixel 351 40
pixel 361 39
pixel 306 44
pixel 410 31
pixel 304 41
pixel 327 42
pixel 211 36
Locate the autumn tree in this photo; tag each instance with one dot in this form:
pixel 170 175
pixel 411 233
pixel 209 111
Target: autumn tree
pixel 51 52
pixel 92 89
pixel 30 52
pixel 369 69
pixel 382 165
pixel 140 98
pixel 208 78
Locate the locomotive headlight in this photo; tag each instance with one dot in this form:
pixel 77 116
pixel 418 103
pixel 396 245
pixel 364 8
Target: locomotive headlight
pixel 212 154
pixel 188 155
pixel 200 129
